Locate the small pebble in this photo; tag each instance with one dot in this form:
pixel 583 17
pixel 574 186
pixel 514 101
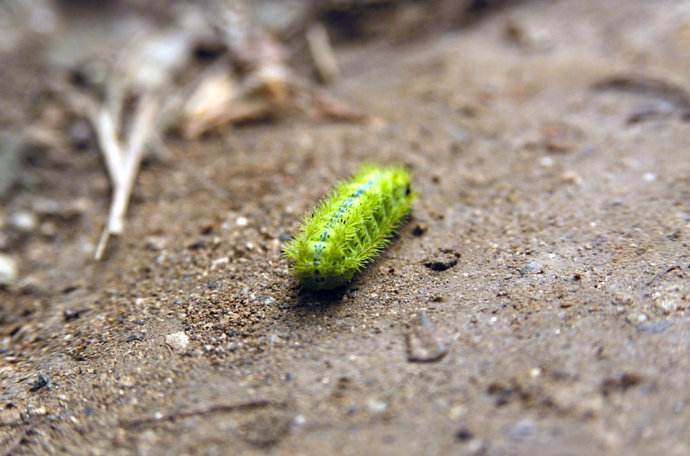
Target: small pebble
pixel 667 304
pixel 546 161
pixel 8 270
pixel 40 383
pixel 57 209
pixel 178 341
pixel 523 430
pixel 219 262
pixel 127 381
pixel 155 243
pixel 424 345
pixel 9 415
pixel 635 318
pixel 38 411
pixel 24 221
pixel 649 177
pixel 476 447
pixel 668 299
pixel 376 406
pixel 533 267
pixel 571 177
pixel 72 314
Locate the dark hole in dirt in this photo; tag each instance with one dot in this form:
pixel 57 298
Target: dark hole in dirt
pixel 464 434
pixel 443 260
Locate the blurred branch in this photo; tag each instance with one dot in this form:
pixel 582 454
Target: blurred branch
pixel 123 165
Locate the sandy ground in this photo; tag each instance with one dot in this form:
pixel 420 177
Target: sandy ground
pixel 547 256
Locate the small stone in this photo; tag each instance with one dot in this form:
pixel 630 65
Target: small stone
pixel 424 345
pixel 9 416
pixel 476 447
pixel 39 411
pixel 571 177
pixel 649 177
pixel 48 229
pixel 197 245
pixel 59 210
pixel 134 336
pixel 155 243
pixel 669 298
pixel 178 341
pixel 8 270
pixel 533 267
pixel 220 262
pixel 24 221
pixel 40 383
pixel 666 304
pixel 456 412
pixel 376 406
pixel 73 314
pixel 445 259
pixel 523 430
pixel 127 381
pixel 241 221
pixel 546 161
pixel 636 318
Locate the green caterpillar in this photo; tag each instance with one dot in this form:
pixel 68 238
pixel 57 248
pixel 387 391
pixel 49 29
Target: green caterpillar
pixel 350 227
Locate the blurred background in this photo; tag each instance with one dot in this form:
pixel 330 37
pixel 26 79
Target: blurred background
pixel 155 156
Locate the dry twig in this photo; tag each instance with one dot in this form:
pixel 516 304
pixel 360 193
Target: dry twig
pixel 322 52
pixel 122 158
pixel 218 408
pixel 123 162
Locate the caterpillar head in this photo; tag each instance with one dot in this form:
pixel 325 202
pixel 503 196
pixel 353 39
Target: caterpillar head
pixel 319 267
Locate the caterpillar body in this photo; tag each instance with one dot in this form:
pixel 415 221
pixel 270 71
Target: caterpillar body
pixel 350 227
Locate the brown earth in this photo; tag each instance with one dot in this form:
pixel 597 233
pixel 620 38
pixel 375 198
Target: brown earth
pixel 550 148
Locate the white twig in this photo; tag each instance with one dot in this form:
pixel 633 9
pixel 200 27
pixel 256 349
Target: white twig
pixel 141 128
pixel 124 169
pixel 322 52
pixel 110 147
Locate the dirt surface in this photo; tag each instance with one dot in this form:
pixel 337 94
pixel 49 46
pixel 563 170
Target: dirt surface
pixel 536 303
